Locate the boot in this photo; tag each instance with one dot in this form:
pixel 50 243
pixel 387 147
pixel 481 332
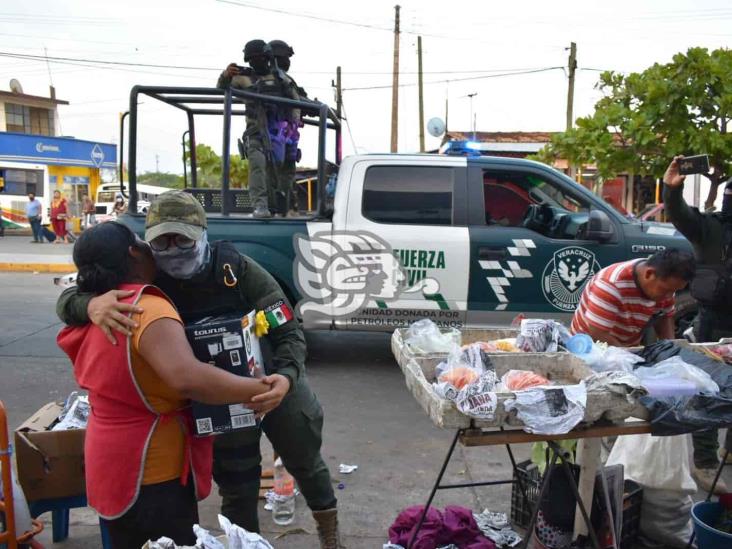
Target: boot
pixel 328 534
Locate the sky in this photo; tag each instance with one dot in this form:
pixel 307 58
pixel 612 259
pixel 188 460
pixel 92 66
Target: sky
pixel 474 47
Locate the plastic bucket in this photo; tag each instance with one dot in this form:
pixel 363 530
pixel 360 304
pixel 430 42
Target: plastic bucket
pixel 705 513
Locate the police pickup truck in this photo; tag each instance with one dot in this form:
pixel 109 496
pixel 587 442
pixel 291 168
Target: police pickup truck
pixel 468 241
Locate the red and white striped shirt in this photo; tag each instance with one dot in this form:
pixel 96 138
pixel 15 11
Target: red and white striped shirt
pixel 613 302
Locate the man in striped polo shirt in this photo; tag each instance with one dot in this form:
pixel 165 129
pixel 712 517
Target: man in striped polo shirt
pixel 623 301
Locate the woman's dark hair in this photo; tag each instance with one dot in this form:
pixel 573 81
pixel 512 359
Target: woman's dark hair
pixel 101 256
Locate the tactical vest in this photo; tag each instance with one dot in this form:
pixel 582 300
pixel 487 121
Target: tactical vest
pixel 216 292
pixel 712 284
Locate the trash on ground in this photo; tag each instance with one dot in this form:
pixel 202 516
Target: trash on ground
pixel 75 414
pixel 347 469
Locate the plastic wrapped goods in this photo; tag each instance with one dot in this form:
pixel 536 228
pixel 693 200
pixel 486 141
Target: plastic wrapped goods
pixel 516 380
pixel 550 410
pixel 675 368
pixel 539 336
pixel 459 377
pixel 424 336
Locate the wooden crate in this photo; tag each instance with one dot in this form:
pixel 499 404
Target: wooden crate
pixel 561 368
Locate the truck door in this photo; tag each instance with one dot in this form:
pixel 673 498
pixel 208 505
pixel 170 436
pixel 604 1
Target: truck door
pixel 528 251
pixel 417 208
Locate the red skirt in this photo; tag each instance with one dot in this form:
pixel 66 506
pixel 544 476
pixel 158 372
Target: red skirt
pixel 59 227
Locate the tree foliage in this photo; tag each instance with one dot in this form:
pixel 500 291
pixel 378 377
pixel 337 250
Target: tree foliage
pixel 209 168
pixel 644 119
pixel 161 179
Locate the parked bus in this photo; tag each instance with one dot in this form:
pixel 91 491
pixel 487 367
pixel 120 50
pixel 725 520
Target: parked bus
pixel 17 179
pixel 107 193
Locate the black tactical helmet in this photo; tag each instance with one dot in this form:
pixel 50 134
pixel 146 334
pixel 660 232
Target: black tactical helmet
pixel 280 48
pixel 254 48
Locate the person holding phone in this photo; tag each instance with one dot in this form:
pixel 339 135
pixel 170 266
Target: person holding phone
pixel 711 236
pixel 59 214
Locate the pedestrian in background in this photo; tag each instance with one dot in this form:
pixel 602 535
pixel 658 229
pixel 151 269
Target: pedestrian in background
pixel 34 211
pixel 59 215
pixel 120 206
pixel 89 209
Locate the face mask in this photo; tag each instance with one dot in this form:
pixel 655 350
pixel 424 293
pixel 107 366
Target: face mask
pixel 260 65
pixel 184 264
pixel 727 201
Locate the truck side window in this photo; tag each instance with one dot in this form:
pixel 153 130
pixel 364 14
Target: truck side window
pixel 508 195
pixel 413 195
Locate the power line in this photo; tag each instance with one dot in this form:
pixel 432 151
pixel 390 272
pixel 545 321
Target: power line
pixel 516 73
pixel 102 62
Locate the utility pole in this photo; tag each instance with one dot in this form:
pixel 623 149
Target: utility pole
pixel 572 66
pixel 421 95
pixel 395 86
pixel 339 93
pixel 472 116
pixel 157 163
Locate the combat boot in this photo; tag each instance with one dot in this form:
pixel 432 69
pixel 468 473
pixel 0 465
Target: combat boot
pixel 328 533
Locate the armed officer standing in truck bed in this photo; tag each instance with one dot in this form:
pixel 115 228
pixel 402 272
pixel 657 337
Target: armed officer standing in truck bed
pixel 270 128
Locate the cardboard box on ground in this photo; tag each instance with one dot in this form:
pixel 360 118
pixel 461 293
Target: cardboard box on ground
pixel 228 342
pixel 50 463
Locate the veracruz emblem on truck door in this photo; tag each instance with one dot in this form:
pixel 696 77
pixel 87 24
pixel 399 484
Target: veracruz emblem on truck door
pixel 338 273
pixel 565 276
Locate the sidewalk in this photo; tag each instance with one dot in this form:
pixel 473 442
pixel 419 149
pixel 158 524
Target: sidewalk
pixel 19 255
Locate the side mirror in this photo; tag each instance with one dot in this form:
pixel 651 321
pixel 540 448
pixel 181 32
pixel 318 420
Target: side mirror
pixel 599 227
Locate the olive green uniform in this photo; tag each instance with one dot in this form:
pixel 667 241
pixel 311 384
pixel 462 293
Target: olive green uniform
pixel 267 180
pixel 294 428
pixel 705 232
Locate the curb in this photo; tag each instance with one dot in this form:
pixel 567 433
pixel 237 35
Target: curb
pixel 63 268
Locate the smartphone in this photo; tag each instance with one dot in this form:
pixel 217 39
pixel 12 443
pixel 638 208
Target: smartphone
pixel 694 164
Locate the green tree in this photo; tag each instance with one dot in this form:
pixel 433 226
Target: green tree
pixel 161 179
pixel 644 119
pixel 209 168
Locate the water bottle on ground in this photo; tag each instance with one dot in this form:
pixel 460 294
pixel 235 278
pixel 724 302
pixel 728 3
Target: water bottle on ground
pixel 283 509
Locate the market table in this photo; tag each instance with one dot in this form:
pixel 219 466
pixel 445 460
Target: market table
pixel 588 461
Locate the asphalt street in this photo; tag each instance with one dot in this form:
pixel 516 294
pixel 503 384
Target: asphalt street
pixel 371 420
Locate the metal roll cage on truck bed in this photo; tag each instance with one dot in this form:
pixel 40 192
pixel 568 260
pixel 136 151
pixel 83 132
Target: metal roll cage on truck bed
pixel 226 102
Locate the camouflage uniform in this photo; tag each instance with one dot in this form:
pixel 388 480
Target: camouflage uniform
pixel 295 427
pixel 269 182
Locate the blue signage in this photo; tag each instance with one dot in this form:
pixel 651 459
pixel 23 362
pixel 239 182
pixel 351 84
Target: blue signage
pixel 62 151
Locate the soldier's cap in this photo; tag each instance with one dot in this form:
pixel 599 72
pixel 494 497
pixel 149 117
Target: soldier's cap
pixel 175 212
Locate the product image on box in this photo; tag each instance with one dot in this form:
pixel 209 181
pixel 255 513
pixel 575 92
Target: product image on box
pixel 227 342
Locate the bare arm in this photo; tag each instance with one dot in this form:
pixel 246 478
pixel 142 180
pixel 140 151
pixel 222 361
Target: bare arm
pixel 164 346
pixel 665 328
pixel 600 334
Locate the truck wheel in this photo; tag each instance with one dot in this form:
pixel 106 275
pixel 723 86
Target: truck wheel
pixel 686 310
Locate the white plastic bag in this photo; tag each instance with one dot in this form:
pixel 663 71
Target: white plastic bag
pixel 239 538
pixel 675 368
pixel 424 336
pixel 655 462
pixel 613 359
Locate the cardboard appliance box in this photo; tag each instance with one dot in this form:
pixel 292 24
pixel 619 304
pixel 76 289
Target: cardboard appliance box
pixel 227 342
pixel 50 463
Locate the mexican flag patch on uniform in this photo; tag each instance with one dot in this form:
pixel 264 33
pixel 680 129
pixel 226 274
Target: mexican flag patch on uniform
pixel 278 314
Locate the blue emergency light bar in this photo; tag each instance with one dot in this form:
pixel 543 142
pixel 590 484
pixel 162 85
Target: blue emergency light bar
pixel 461 148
